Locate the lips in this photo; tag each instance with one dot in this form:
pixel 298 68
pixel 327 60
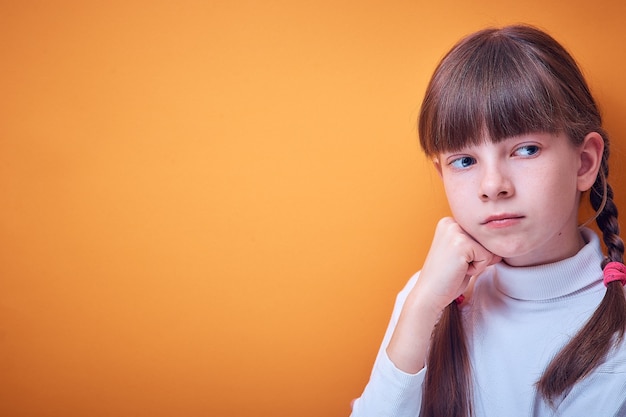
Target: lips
pixel 505 219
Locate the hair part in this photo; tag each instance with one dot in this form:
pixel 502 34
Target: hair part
pixel 492 85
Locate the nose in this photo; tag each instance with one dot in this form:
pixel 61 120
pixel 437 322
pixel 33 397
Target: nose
pixel 495 184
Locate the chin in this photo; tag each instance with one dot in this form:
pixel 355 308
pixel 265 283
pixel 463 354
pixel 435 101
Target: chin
pixel 507 251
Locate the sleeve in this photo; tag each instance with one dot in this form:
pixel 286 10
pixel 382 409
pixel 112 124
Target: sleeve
pixel 390 391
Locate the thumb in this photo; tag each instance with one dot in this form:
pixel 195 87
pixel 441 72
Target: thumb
pixel 481 260
pixel 495 259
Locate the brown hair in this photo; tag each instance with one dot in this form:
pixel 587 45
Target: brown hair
pixel 499 83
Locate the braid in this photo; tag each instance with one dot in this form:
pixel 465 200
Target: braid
pixel 601 198
pixel 447 386
pixel 606 326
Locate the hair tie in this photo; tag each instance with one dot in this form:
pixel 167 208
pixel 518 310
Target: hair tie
pixel 614 271
pixel 461 298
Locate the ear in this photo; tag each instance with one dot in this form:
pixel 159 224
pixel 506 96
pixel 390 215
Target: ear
pixel 437 165
pixel 591 152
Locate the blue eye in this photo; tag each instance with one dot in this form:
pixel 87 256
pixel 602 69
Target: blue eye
pixel 527 150
pixel 463 162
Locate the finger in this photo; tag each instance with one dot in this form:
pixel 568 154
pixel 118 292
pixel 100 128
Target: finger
pixel 482 258
pixel 476 267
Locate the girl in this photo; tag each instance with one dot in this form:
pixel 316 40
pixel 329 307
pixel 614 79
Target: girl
pixel 516 311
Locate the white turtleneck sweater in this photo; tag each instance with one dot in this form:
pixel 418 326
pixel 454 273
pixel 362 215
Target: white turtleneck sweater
pixel 517 319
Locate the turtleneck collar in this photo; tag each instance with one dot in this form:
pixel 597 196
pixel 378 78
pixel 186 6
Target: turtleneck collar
pixel 558 279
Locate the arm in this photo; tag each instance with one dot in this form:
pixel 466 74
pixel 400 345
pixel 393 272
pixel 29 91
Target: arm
pixel 390 391
pixel 454 257
pixel 395 384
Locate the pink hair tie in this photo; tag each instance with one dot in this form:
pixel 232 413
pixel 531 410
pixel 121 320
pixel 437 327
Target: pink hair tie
pixel 461 298
pixel 614 271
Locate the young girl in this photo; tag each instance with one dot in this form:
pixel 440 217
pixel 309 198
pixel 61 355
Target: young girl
pixel 516 311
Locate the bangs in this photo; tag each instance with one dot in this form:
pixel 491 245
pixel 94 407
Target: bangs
pixel 491 88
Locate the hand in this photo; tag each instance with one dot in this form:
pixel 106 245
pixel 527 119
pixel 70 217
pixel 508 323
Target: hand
pixel 454 257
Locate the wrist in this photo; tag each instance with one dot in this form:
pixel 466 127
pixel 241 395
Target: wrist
pixel 425 304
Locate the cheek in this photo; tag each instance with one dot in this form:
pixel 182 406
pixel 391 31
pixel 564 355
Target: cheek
pixel 552 193
pixel 560 185
pixel 460 196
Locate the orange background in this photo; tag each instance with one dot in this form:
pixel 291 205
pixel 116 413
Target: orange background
pixel 207 207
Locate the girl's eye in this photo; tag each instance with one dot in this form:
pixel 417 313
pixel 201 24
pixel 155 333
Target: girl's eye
pixel 463 162
pixel 527 150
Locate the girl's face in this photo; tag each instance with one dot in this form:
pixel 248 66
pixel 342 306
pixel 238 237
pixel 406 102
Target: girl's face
pixel 519 197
